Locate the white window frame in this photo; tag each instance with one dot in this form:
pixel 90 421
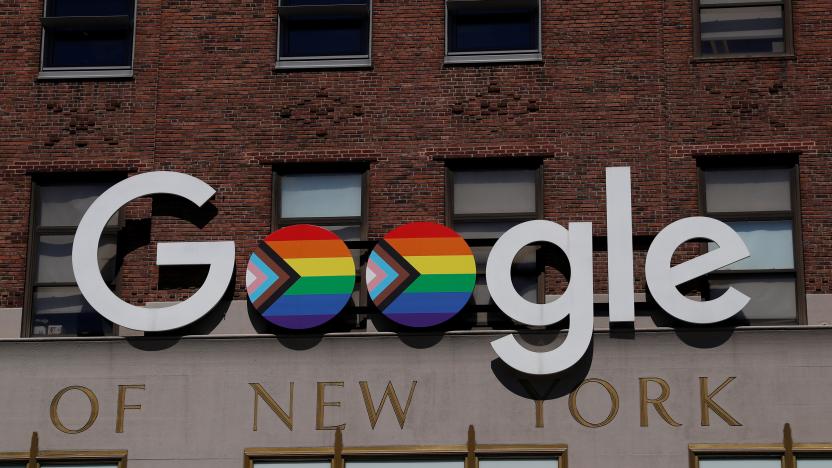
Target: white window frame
pixel 325 61
pixel 63 73
pixel 494 56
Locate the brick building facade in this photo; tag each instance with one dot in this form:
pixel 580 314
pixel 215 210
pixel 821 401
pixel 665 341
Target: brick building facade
pixel 618 84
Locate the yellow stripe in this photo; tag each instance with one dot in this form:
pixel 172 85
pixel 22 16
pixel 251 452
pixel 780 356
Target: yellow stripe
pixel 332 266
pixel 443 264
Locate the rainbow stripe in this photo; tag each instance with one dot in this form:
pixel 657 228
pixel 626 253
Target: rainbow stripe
pixel 300 276
pixel 421 274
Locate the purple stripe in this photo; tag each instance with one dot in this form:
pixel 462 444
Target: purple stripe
pixel 419 320
pixel 298 322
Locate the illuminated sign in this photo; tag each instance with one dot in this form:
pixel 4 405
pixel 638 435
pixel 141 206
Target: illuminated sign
pixel 420 274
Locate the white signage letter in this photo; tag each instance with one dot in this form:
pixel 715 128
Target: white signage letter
pixel 620 245
pixel 218 255
pixel 662 279
pixel 576 302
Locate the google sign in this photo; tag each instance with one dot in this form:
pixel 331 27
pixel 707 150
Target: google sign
pixel 420 274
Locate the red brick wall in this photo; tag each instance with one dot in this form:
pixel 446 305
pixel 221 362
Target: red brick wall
pixel 617 86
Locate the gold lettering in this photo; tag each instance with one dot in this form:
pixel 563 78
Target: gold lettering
pixel 321 404
pixel 56 420
pixel 538 399
pixel 657 403
pixel 708 403
pixel 573 403
pixel 389 392
pixel 122 395
pixel 260 392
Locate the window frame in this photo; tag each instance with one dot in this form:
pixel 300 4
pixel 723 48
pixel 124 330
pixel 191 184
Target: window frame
pixel 480 164
pixel 799 450
pixel 325 61
pixel 407 452
pixel 492 56
pixel 62 73
pixel 35 231
pixel 788 31
pixel 93 457
pixel 362 245
pixel 362 169
pixel 738 164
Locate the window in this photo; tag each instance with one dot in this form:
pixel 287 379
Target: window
pixel 760 204
pixel 55 306
pixel 445 456
pixel 743 27
pixel 518 463
pixel 88 39
pixel 324 33
pixel 740 462
pixel 760 455
pixel 485 203
pixel 333 200
pixel 391 463
pixel 492 31
pixel 292 464
pixel 805 462
pixel 66 459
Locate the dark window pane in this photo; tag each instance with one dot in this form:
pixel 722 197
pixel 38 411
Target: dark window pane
pixel 89 8
pixel 324 36
pixel 492 30
pixel 62 311
pixel 742 30
pixel 323 2
pixel 87 49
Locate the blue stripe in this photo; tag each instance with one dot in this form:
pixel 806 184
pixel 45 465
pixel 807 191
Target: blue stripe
pixel 428 303
pixel 308 304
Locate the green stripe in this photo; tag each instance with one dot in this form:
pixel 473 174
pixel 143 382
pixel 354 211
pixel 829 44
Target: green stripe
pixel 322 285
pixel 443 283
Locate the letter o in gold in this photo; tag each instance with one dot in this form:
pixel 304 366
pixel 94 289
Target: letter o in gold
pixel 56 420
pixel 573 403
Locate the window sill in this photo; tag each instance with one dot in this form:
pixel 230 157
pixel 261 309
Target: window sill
pixel 743 58
pixel 84 74
pixel 313 64
pixel 493 58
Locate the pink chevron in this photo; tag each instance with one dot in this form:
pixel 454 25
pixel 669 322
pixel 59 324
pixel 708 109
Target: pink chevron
pixel 259 278
pixel 376 274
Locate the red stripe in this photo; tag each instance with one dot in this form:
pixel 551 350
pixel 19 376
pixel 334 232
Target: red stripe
pixel 301 232
pixel 421 230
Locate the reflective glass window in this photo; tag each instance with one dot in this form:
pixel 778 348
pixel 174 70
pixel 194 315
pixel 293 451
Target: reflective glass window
pixel 756 202
pixel 745 27
pixel 814 463
pixel 769 462
pixel 485 203
pixel 55 305
pixel 496 28
pixel 316 32
pixel 519 463
pixel 80 34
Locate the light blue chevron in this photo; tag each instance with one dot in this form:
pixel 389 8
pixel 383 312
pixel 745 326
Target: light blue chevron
pixel 271 277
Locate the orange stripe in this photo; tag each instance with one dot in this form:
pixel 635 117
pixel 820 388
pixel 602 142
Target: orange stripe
pixel 309 248
pixel 432 246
